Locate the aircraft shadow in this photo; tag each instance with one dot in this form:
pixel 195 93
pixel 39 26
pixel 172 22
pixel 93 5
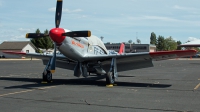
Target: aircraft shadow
pixel 81 81
pixel 125 76
pixel 118 75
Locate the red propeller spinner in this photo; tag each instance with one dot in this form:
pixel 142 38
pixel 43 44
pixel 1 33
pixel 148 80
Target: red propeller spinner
pixel 56 35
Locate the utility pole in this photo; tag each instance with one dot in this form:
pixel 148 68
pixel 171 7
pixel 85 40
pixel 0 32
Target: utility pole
pixel 136 37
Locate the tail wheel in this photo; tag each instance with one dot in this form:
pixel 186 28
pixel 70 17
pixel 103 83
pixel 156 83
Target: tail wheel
pixel 110 78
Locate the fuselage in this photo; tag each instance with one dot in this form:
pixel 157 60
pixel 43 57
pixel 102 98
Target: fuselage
pixel 75 48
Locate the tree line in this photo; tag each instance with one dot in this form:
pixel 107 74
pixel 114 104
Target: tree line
pixel 164 44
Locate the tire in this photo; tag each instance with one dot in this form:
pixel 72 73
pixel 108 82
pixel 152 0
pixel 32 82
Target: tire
pixel 47 77
pixel 44 77
pixel 110 78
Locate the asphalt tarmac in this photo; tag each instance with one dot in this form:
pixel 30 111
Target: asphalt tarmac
pixel 171 85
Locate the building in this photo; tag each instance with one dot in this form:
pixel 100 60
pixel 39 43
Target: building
pixel 16 46
pixel 131 47
pixel 152 48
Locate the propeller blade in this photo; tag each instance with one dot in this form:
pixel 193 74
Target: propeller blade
pixel 77 34
pixel 58 13
pixel 53 60
pixel 35 35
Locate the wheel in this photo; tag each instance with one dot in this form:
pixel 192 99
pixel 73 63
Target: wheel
pixel 47 76
pixel 44 76
pixel 110 78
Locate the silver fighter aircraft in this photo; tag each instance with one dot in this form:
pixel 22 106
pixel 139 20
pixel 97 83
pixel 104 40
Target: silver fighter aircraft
pixel 85 53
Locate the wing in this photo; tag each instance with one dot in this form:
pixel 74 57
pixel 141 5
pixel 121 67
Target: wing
pixel 143 55
pixel 126 61
pixel 172 54
pixel 35 55
pixel 130 61
pixel 61 60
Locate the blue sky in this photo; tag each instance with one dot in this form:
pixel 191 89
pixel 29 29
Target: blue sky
pixel 115 20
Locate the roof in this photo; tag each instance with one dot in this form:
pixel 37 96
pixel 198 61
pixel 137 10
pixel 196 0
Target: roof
pixel 15 45
pixel 195 43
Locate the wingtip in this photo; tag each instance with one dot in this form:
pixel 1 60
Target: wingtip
pixel 12 52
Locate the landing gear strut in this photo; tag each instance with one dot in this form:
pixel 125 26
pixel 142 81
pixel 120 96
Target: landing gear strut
pixel 47 75
pixel 112 74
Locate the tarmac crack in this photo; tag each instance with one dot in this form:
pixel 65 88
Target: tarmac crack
pixel 100 105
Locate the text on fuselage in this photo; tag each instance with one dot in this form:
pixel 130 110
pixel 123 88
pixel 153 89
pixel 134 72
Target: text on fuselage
pixel 77 44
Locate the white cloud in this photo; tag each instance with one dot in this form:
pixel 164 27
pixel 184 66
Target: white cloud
pixel 183 8
pixel 53 9
pixel 25 30
pixel 18 37
pixel 192 38
pixel 160 18
pixel 72 11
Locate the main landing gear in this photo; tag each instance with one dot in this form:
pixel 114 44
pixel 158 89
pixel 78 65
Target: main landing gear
pixel 47 75
pixel 112 74
pixel 110 79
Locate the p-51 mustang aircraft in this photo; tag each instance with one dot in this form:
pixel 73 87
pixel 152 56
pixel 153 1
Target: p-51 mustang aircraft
pixel 85 53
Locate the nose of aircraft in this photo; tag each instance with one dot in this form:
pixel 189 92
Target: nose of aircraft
pixel 56 35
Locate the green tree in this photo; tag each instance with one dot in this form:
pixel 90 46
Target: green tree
pixel 178 43
pixel 44 43
pixel 36 41
pixel 171 44
pixel 130 41
pixel 153 39
pixel 161 46
pixel 138 41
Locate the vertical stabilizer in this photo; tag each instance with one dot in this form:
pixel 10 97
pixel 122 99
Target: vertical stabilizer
pixel 122 48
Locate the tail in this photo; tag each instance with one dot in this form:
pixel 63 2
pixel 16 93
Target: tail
pixel 122 48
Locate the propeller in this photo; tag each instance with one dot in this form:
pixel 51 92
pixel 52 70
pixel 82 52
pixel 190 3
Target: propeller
pixel 77 34
pixel 57 21
pixel 58 13
pixel 58 34
pixel 36 35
